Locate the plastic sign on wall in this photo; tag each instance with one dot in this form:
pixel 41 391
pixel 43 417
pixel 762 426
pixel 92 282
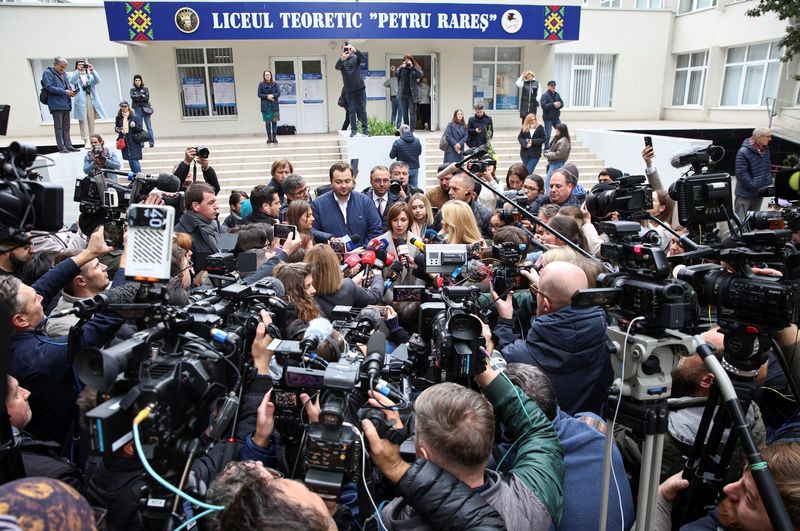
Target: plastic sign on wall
pixel 172 21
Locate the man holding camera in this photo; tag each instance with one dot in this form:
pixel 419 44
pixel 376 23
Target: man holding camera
pixel 59 102
pixel 455 429
pixel 379 192
pixel 349 64
pixel 87 105
pixel 100 157
pixel 192 157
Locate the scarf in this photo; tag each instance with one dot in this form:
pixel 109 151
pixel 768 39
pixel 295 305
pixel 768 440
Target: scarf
pixel 760 150
pixel 207 227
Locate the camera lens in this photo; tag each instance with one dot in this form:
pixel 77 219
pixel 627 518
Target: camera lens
pixel 203 152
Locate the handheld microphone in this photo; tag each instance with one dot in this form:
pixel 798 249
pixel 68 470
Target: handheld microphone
pixel 394 272
pixel 166 182
pixel 350 242
pixel 318 330
pixel 376 355
pixel 377 243
pixel 389 260
pixel 418 244
pixel 350 262
pixel 431 236
pixel 368 261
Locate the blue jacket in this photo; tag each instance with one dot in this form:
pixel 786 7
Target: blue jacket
pixel 362 217
pixel 485 124
pixel 407 148
pixel 549 110
pixel 44 366
pixel 112 162
pixel 56 86
pixel 455 134
pixel 752 170
pixel 265 90
pixel 79 103
pixel 568 345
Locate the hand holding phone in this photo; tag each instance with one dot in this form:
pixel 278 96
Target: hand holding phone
pixel 281 231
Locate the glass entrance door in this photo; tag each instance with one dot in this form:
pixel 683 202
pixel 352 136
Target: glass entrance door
pixel 303 99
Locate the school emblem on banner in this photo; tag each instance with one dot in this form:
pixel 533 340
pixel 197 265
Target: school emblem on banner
pixel 554 23
pixel 187 20
pixel 139 21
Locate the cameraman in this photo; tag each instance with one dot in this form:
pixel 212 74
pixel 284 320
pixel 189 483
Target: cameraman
pixel 100 157
pixel 42 365
pixel 455 429
pixel 190 157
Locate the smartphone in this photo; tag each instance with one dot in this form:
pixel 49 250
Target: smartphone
pixel 648 141
pixel 282 231
pixel 383 310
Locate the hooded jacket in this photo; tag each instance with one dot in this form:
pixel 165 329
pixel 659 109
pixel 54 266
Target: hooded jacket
pixel 407 149
pixel 569 346
pixel 752 170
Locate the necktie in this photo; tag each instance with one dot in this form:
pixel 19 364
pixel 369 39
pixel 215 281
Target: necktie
pixel 380 206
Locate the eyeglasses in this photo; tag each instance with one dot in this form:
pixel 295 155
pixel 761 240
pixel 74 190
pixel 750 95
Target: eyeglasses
pixel 531 188
pixel 535 290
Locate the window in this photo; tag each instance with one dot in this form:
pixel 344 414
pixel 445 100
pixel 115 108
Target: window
pixel 687 6
pixel 494 73
pixel 207 87
pixel 690 79
pixel 649 4
pixel 609 3
pixel 751 74
pixel 585 80
pixel 114 86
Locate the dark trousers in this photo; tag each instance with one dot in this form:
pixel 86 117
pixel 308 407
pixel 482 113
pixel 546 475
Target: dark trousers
pixel 357 110
pixel 395 112
pixel 548 128
pixel 61 127
pixel 408 110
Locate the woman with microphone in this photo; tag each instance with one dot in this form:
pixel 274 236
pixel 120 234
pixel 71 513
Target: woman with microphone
pixel 399 237
pixel 333 289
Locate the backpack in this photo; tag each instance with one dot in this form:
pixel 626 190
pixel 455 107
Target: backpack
pixel 43 94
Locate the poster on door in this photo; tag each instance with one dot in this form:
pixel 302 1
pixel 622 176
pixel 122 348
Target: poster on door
pixel 313 88
pixel 194 92
pixel 374 82
pixel 224 91
pixel 288 87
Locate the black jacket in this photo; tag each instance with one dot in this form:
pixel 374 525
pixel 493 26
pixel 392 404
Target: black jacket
pixel 390 200
pixel 209 175
pixel 351 72
pixel 201 242
pixel 475 138
pixel 259 217
pixel 535 151
pixel 278 187
pixel 352 295
pixel 483 217
pixel 549 110
pixel 443 501
pixel 529 103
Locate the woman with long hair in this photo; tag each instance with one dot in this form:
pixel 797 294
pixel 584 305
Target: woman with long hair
pixel 531 139
pixel 456 135
pixel 458 224
pixel 268 93
pixel 129 129
pixel 662 210
pixel 408 75
pixel 140 98
pixel 558 153
pixel 398 218
pixel 421 215
pixel 300 291
pixel 300 215
pixel 567 227
pixel 333 288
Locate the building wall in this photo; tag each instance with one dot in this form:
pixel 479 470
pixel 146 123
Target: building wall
pixel 45 31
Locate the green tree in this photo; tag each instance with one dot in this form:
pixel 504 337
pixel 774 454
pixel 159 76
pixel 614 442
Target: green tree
pixel 785 10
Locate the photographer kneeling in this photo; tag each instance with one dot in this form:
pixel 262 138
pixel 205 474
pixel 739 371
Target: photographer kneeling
pixel 100 157
pixel 455 429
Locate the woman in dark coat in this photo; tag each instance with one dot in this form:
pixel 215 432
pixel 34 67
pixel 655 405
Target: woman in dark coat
pixel 531 138
pixel 456 135
pixel 268 92
pixel 408 75
pixel 529 103
pixel 128 126
pixel 140 98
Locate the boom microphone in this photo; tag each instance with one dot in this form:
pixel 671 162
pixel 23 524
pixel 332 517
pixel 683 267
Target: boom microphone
pixel 376 356
pixel 318 330
pixel 122 294
pixel 691 155
pixel 166 182
pixel 476 151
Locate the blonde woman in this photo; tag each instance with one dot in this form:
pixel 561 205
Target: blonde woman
pixel 529 103
pixel 531 139
pixel 458 224
pixel 421 215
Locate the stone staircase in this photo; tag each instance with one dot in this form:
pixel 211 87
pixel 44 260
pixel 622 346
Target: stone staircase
pixel 242 163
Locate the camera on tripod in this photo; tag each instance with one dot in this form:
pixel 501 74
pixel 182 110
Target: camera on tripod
pixel 455 336
pixel 506 273
pixel 628 195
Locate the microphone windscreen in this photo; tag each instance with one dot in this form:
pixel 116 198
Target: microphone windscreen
pixel 352 260
pixel 274 284
pixel 377 342
pixel 168 183
pixel 431 235
pixel 397 267
pixel 390 258
pixel 419 260
pixel 122 294
pixel 368 258
pixel 355 238
pixel 319 328
pixel 371 315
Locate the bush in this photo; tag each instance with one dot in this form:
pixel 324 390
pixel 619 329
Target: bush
pixel 378 127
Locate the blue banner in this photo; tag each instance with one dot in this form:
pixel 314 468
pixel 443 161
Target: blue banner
pixel 172 21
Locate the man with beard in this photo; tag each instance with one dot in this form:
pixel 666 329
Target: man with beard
pixel 14 254
pixel 742 507
pixel 93 279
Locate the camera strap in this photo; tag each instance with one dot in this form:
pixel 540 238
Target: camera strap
pixel 397 437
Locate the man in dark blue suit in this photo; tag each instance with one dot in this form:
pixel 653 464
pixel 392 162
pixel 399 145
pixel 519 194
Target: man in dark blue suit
pixel 343 212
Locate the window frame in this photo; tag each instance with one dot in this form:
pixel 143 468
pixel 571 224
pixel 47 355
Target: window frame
pixel 694 8
pixel 569 100
pixel 689 69
pixel 745 64
pixel 210 107
pixel 495 64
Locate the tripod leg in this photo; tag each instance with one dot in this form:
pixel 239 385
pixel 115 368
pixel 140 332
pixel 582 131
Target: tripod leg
pixel 655 479
pixel 604 492
pixel 644 483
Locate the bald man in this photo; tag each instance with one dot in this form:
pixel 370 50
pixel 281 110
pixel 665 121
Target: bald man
pixel 568 344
